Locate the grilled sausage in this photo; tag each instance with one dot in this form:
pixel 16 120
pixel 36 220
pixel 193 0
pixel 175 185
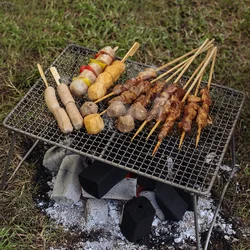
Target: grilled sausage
pixel 64 94
pixel 74 115
pixel 62 120
pixel 50 99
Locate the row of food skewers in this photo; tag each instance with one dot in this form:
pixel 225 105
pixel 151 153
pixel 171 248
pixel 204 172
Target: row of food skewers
pixel 149 98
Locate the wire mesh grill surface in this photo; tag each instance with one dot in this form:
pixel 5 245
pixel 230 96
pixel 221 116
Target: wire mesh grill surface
pixel 190 168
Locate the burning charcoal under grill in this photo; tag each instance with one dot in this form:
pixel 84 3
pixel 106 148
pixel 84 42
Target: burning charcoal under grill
pixel 138 215
pixel 99 178
pixel 170 202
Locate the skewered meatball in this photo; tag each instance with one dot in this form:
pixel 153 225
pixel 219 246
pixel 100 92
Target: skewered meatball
pixel 125 123
pixel 138 112
pixel 116 109
pixel 88 108
pixel 78 87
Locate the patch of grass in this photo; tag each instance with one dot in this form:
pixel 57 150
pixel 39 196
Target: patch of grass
pixel 34 32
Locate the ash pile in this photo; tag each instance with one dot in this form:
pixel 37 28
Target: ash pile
pixel 126 211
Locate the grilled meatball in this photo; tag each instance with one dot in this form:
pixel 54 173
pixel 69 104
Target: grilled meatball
pixel 125 123
pixel 116 109
pixel 88 108
pixel 137 111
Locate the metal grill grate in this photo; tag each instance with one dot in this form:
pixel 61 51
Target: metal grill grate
pixel 190 168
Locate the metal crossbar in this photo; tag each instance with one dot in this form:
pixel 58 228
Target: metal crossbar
pixel 192 169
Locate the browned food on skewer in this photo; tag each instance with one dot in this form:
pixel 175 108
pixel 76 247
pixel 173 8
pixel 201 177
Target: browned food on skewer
pixel 203 118
pixel 147 74
pixel 190 113
pixel 128 96
pixel 174 114
pixel 165 110
pixel 158 105
pixel 138 109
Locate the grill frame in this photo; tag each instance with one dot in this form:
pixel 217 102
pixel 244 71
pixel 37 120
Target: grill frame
pixel 182 169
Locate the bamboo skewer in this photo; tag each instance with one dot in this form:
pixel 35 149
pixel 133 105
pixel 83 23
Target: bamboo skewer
pixel 208 46
pixel 181 57
pixel 42 75
pixel 212 70
pixel 131 52
pixel 208 85
pixel 198 76
pixel 192 59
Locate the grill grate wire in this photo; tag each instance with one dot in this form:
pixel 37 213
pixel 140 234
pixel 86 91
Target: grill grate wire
pixel 190 168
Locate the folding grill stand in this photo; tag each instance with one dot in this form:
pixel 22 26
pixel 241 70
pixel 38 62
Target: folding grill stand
pixel 194 196
pixel 31 118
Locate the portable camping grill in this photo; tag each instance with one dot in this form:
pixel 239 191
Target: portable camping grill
pixel 192 169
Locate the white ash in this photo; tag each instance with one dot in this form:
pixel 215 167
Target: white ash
pixel 72 218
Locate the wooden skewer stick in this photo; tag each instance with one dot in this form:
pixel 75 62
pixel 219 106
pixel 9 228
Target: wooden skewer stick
pixel 139 130
pixel 131 52
pixel 181 57
pixel 199 82
pixel 104 97
pixel 116 48
pixel 178 65
pixel 192 59
pixel 209 83
pixel 42 75
pixel 170 70
pixel 212 70
pixel 55 74
pixel 103 112
pixel 199 74
pixel 153 129
pixel 156 147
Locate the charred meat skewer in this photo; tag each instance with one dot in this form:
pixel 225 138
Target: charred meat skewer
pixel 158 104
pixel 203 118
pixel 190 113
pixel 174 114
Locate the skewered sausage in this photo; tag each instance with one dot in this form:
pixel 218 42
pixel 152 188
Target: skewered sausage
pixel 74 115
pixel 64 94
pixel 50 99
pixel 62 120
pixel 88 108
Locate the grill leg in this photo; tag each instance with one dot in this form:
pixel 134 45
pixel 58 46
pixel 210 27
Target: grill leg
pixel 223 191
pixel 13 141
pixel 197 234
